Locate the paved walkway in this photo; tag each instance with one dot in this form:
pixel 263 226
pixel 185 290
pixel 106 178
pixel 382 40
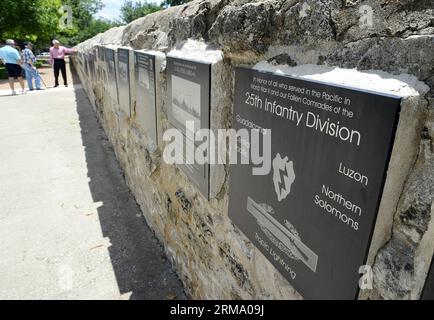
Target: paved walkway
pixel 69 227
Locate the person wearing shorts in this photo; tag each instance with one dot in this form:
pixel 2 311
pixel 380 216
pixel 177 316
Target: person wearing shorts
pixel 12 60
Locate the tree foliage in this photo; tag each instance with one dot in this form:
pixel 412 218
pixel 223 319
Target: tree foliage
pixel 84 24
pixel 83 11
pixel 29 20
pixel 39 21
pixel 132 10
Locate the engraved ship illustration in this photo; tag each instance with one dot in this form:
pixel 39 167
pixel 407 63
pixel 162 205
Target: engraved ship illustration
pixel 186 105
pixel 289 238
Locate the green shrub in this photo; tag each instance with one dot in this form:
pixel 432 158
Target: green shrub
pixel 3 73
pixel 38 64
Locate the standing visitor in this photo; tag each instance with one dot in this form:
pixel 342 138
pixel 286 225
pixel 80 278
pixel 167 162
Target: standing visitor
pixel 57 60
pixel 29 61
pixel 12 61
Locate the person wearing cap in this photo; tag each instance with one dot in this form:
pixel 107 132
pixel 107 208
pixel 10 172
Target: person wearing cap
pixel 57 60
pixel 29 61
pixel 12 61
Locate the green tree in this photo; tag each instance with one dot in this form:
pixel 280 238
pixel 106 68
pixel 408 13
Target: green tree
pixel 131 11
pixel 172 3
pixel 83 11
pixel 84 24
pixel 73 37
pixel 29 20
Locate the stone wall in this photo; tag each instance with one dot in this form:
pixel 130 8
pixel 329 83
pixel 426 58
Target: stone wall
pixel 392 49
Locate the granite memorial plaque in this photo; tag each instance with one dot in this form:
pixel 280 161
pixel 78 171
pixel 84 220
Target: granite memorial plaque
pixel 86 65
pixel 111 72
pixel 91 63
pixel 100 53
pixel 145 93
pixel 188 85
pixel 428 291
pixel 124 80
pixel 313 211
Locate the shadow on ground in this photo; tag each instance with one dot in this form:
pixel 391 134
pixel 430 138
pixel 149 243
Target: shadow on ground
pixel 139 262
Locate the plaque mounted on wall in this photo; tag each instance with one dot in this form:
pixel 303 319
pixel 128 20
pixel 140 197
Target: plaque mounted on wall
pixel 87 65
pixel 188 86
pixel 428 291
pixel 124 80
pixel 112 84
pixel 100 53
pixel 313 208
pixel 91 63
pixel 146 114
